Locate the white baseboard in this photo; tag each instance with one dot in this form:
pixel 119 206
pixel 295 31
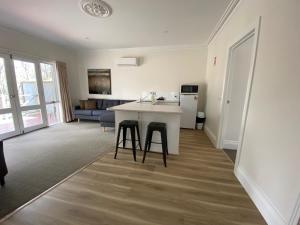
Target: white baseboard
pixel 229 144
pixel 295 219
pixel 270 213
pixel 211 136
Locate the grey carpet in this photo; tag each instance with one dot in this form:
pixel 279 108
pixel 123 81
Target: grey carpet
pixel 37 161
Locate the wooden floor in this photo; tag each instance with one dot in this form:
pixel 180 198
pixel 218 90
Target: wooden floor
pixel 197 187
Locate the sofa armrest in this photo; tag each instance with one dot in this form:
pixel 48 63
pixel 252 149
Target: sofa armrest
pixel 107 116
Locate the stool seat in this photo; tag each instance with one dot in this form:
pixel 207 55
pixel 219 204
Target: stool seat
pixel 129 123
pixel 162 129
pixel 133 125
pixel 157 125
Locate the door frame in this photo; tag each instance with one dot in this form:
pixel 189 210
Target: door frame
pixel 252 31
pixel 12 98
pixel 41 106
pixel 57 85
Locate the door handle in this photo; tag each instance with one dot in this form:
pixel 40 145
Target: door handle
pixel 12 96
pixel 228 101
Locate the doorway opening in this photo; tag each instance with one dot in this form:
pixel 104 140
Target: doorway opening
pixel 239 70
pixel 236 94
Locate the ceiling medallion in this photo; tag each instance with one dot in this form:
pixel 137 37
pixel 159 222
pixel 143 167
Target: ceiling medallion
pixel 96 8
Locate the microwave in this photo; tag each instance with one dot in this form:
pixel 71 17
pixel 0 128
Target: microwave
pixel 189 89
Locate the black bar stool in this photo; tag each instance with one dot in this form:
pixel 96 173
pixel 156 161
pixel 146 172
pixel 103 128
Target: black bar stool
pixel 162 128
pixel 132 125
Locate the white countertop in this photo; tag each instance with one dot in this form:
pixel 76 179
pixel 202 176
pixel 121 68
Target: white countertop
pixel 147 107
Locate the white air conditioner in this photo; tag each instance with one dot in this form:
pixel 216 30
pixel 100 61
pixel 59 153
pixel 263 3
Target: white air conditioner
pixel 127 61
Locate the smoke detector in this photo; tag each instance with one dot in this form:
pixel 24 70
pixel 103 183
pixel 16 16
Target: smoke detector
pixel 96 8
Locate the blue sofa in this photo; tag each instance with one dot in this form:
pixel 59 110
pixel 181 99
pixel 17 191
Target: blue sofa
pixel 100 113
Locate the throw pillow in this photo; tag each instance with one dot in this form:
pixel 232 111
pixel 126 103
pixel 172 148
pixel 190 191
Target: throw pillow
pixel 82 104
pixel 90 104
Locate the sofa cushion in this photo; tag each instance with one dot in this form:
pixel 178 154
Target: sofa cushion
pixel 109 103
pixel 98 112
pixel 85 112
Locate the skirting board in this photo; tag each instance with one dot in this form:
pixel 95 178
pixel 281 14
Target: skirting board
pixel 270 213
pixel 228 144
pixel 211 136
pixel 295 219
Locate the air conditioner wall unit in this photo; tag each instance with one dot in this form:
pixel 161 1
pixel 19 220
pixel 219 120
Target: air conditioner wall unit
pixel 128 61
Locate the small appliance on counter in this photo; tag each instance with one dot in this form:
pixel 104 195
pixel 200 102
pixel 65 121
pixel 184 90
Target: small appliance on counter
pixel 159 97
pixel 189 105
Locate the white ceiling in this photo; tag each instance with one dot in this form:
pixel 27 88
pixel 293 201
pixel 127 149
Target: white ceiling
pixel 134 23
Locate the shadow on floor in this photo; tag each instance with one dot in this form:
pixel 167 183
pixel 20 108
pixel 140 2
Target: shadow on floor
pixel 231 154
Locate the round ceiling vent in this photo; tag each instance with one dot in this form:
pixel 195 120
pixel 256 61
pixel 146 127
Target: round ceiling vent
pixel 96 8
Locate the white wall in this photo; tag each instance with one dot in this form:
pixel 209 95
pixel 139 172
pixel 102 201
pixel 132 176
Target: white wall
pixel 162 69
pixel 270 159
pixel 27 45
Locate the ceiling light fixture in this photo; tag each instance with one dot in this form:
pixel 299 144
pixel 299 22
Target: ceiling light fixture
pixel 96 8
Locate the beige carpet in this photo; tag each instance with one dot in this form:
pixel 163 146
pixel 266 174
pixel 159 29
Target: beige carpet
pixel 36 161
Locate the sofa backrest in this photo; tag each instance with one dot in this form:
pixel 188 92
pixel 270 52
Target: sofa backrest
pixel 106 103
pixel 99 103
pixel 103 104
pixel 125 101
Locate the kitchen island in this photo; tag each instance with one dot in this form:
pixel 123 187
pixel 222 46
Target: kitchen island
pixel 146 112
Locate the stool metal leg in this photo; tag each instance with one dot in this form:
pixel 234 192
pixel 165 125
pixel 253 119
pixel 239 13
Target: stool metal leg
pixel 167 149
pixel 117 143
pixel 138 134
pixel 164 146
pixel 150 140
pixel 124 136
pixel 146 144
pixel 132 129
pixel 146 141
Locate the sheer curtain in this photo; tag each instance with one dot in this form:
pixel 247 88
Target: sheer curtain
pixel 64 91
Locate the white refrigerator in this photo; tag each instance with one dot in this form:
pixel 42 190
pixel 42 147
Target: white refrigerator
pixel 189 105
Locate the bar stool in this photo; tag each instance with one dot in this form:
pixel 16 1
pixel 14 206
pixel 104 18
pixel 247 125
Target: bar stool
pixel 162 128
pixel 132 125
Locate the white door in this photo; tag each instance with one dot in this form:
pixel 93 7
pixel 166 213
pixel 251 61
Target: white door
pixel 30 102
pixel 9 123
pixel 239 71
pixel 188 104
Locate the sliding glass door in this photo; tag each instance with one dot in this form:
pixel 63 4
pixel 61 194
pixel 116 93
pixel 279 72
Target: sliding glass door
pixel 29 97
pixel 9 125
